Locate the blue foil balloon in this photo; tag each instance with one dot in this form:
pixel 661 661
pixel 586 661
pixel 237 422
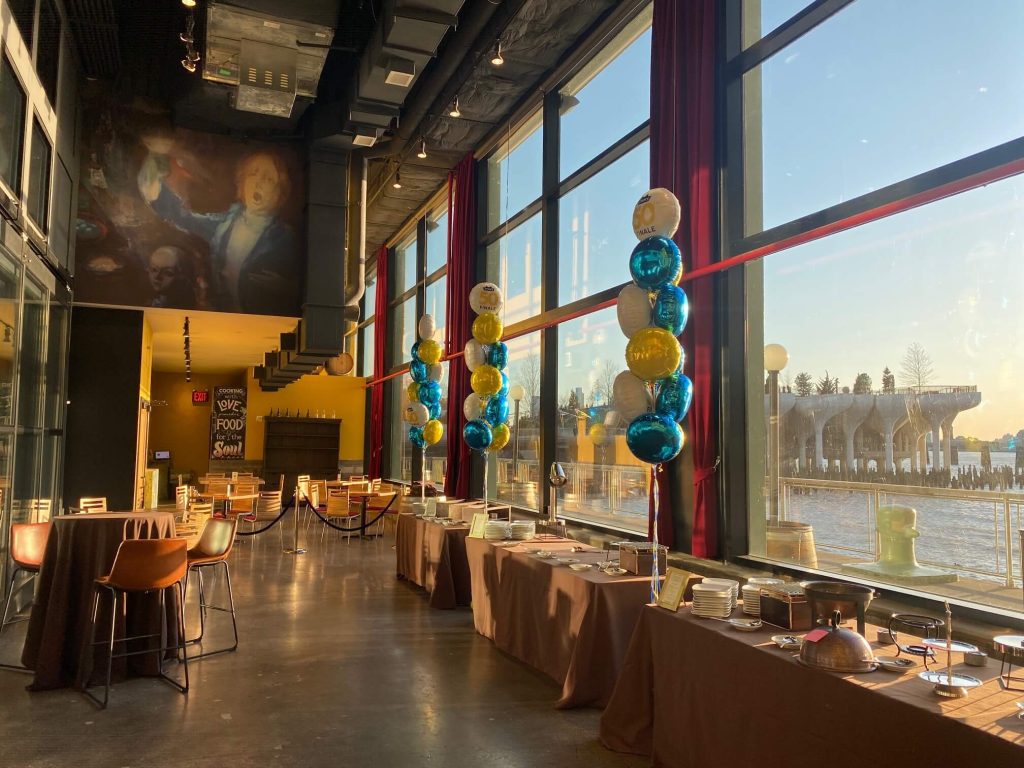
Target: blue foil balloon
pixel 415 351
pixel 477 434
pixel 654 438
pixel 430 393
pixel 655 262
pixel 674 397
pixel 503 392
pixel 496 411
pixel 497 355
pixel 434 410
pixel 416 437
pixel 418 371
pixel 671 309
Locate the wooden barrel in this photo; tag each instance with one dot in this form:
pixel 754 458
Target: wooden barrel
pixel 792 543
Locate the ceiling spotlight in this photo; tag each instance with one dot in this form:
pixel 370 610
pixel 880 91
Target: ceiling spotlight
pixel 496 58
pixel 422 154
pixel 188 64
pixel 186 38
pixel 193 55
pixel 189 3
pixel 398 180
pixel 454 111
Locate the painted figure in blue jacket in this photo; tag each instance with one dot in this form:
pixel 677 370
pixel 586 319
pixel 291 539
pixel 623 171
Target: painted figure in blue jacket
pixel 254 255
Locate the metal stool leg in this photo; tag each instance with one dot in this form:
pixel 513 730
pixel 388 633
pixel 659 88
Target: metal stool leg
pixel 10 596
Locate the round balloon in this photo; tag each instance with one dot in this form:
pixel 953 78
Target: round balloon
pixel 499 437
pixel 418 371
pixel 412 392
pixel 611 419
pixel 503 389
pixel 416 437
pixel 633 309
pixel 416 414
pixel 598 434
pixel 477 435
pixel 671 309
pixel 414 352
pixel 486 380
pixel 496 411
pixel 654 438
pixel 657 212
pixel 631 396
pixel 476 354
pixel 674 396
pixel 430 393
pixel 435 372
pixel 485 298
pixel 497 355
pixel 473 407
pixel 487 328
pixel 430 351
pixel 653 353
pixel 426 327
pixel 655 262
pixel 434 411
pixel 432 431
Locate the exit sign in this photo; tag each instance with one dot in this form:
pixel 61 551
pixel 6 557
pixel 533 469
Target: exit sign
pixel 200 396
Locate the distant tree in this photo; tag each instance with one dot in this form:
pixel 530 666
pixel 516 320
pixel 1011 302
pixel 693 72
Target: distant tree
pixel 529 376
pixel 827 385
pixel 862 384
pixel 803 384
pixel 604 386
pixel 573 404
pixel 917 367
pixel 888 382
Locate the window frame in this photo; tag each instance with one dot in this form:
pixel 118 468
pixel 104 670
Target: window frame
pixel 42 226
pixel 14 188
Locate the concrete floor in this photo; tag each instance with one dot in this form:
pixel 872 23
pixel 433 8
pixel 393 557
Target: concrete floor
pixel 340 664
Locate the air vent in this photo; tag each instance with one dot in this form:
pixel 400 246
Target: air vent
pixel 272 93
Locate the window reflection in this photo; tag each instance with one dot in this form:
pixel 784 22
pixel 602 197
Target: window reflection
pixel 403 331
pixel 437 242
pixel 513 262
pixel 514 172
pixel 405 270
pixel 39 177
pixel 12 125
pixel 517 475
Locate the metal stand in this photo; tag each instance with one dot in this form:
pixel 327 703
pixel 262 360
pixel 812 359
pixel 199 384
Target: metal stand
pixel 295 549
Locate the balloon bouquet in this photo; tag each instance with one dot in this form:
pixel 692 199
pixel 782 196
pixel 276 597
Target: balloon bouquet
pixel 486 408
pixel 654 395
pixel 423 411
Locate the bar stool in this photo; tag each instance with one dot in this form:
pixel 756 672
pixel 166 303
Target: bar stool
pixel 28 544
pixel 212 550
pixel 140 566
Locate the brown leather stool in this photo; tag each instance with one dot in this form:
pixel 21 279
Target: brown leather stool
pixel 28 545
pixel 212 550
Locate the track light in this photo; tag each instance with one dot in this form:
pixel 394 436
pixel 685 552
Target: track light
pixel 398 180
pixel 189 3
pixel 188 64
pixel 422 154
pixel 186 38
pixel 496 58
pixel 193 55
pixel 454 111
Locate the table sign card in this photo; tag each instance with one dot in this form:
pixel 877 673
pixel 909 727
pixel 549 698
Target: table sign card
pixel 476 528
pixel 674 588
pixel 430 512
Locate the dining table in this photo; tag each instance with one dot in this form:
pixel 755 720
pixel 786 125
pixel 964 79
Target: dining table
pixel 698 692
pixel 572 625
pixel 364 496
pixel 80 549
pixel 432 555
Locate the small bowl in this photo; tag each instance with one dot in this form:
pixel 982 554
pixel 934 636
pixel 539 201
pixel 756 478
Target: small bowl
pixel 899 666
pixel 567 560
pixel 788 642
pixel 746 625
pixel 615 571
pixel 580 566
pixel 544 554
pixel 882 637
pixel 976 659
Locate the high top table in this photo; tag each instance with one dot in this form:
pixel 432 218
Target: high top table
pixel 432 555
pixel 572 625
pixel 695 693
pixel 80 549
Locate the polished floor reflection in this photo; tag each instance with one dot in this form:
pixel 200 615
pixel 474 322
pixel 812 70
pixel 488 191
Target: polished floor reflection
pixel 340 664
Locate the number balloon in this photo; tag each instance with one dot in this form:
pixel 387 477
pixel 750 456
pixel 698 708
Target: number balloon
pixel 657 212
pixel 485 298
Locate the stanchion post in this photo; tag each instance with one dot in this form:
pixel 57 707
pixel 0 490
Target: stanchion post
pixel 295 548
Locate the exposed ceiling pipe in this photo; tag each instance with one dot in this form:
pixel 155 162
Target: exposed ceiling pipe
pixel 355 267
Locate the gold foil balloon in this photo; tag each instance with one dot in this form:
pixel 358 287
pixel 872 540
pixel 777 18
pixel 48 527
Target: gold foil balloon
pixel 486 379
pixel 500 436
pixel 653 353
pixel 413 392
pixel 430 351
pixel 598 434
pixel 432 431
pixel 487 329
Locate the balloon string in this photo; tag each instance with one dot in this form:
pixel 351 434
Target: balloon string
pixel 655 566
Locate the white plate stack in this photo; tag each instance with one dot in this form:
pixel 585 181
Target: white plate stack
pixel 731 584
pixel 712 601
pixel 523 530
pixel 752 594
pixel 496 530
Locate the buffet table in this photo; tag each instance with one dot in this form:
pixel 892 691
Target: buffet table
pixel 80 549
pixel 695 692
pixel 433 556
pixel 573 626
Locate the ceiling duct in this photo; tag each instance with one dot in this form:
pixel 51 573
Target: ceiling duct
pixel 267 80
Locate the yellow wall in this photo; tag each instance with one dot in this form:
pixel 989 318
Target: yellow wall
pixel 342 397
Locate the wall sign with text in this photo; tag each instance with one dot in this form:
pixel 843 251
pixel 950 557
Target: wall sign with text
pixel 200 397
pixel 227 424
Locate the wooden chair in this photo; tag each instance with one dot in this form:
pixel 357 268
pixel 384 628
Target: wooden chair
pixel 266 508
pixel 182 496
pixel 356 478
pixel 93 504
pixel 40 510
pixel 193 520
pixel 338 507
pixel 386 500
pixel 318 492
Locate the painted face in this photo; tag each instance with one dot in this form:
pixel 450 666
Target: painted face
pixel 163 269
pixel 261 186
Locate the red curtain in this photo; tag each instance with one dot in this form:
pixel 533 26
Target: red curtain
pixel 683 160
pixel 380 336
pixel 458 318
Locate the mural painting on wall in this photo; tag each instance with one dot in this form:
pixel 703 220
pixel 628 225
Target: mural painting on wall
pixel 170 217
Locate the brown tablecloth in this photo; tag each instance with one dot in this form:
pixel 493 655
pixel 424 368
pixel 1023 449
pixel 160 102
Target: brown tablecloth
pixel 573 626
pixel 433 556
pixel 80 549
pixel 695 692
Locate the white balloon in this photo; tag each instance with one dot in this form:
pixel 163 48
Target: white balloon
pixel 657 212
pixel 631 396
pixel 427 327
pixel 634 309
pixel 485 297
pixel 476 354
pixel 611 419
pixel 435 372
pixel 416 414
pixel 473 408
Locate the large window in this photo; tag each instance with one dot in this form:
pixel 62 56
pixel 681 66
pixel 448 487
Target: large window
pixel 514 172
pixel 514 263
pixel 48 53
pixel 366 325
pixel 515 474
pixel 39 177
pixel 12 125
